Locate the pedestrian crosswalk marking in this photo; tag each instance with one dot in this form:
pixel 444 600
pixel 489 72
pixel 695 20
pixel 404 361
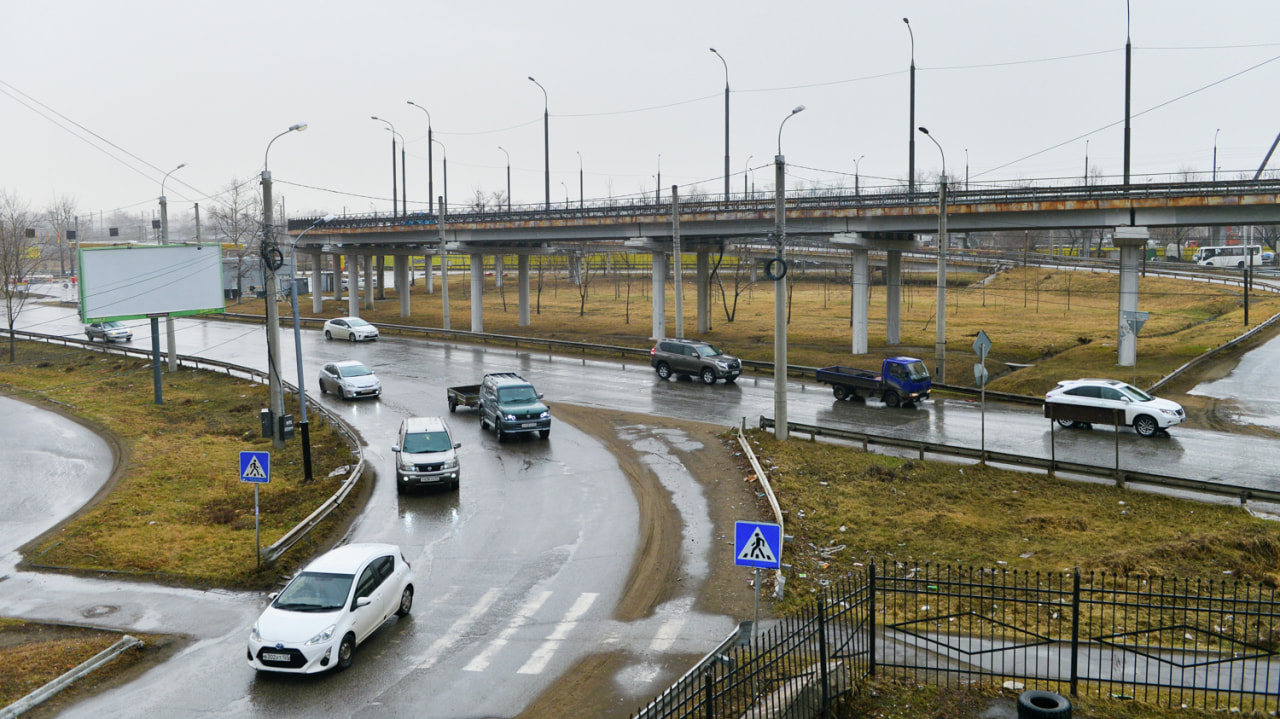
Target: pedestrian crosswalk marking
pixel 437 648
pixel 530 607
pixel 543 654
pixel 757 549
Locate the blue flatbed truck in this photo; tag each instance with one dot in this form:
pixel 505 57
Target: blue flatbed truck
pixel 901 381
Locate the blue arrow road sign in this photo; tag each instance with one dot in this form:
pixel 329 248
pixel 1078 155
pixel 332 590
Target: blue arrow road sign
pixel 255 467
pixel 757 544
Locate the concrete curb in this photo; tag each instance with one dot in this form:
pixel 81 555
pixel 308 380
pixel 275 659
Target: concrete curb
pixel 47 691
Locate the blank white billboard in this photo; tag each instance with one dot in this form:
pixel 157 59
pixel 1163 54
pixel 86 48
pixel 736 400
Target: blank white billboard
pixel 132 282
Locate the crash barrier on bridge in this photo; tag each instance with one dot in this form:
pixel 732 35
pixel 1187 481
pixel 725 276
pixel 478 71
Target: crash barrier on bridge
pixel 1121 476
pixel 1212 645
pixel 271 553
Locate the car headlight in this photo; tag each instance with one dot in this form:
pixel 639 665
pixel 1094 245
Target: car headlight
pixel 323 636
pixel 254 634
pixel 509 417
pixel 544 415
pixel 722 365
pixel 450 464
pixel 405 465
pixel 1170 412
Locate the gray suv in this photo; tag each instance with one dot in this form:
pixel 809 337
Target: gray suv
pixel 693 358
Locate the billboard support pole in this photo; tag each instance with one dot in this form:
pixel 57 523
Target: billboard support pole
pixel 155 359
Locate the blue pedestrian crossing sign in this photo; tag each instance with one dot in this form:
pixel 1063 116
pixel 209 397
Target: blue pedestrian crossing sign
pixel 757 544
pixel 255 467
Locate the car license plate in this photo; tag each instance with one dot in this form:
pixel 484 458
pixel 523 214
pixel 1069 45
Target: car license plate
pixel 529 424
pixel 273 657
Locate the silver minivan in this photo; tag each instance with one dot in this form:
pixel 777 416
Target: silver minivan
pixel 426 454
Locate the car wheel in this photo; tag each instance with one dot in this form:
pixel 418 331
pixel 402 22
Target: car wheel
pixel 406 602
pixel 502 436
pixel 731 379
pixel 400 486
pixel 322 389
pixel 346 651
pixel 345 395
pixel 840 391
pixel 453 406
pixel 892 399
pixel 88 336
pixel 351 337
pixel 544 433
pixel 328 335
pixel 1068 423
pixel 664 370
pixel 1145 425
pixel 708 376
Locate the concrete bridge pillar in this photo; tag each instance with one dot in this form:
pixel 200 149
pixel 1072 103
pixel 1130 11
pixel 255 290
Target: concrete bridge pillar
pixel 402 282
pixel 353 295
pixel 497 270
pixel 317 294
pixel 368 283
pixel 703 283
pixel 893 298
pixel 337 276
pixel 861 299
pixel 381 275
pixel 430 276
pixel 1132 242
pixel 477 292
pixel 659 295
pixel 522 264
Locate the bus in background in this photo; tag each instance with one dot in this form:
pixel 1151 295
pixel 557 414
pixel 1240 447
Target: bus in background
pixel 1228 255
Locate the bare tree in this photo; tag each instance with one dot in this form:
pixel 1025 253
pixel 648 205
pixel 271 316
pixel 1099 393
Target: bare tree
pixel 582 260
pixel 742 281
pixel 61 214
pixel 236 220
pixel 18 258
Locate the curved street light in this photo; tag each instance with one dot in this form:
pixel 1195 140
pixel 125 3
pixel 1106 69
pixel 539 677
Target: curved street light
pixel 581 196
pixel 508 154
pixel 798 109
pixel 911 121
pixel 431 190
pixel 856 163
pixel 781 431
pixel 746 170
pixel 392 128
pixel 726 122
pixel 303 427
pixel 940 338
pixel 546 139
pixel 271 262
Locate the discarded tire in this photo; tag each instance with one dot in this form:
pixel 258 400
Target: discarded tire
pixel 1037 704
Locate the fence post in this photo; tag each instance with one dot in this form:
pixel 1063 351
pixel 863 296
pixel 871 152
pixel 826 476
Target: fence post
pixel 871 602
pixel 709 684
pixel 1075 630
pixel 822 651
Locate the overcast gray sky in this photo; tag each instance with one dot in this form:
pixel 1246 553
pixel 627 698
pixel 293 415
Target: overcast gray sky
pixel 100 99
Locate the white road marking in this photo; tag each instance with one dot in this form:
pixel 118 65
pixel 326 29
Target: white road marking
pixel 543 654
pixel 481 662
pixel 667 634
pixel 438 647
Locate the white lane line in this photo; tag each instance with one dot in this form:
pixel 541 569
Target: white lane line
pixel 438 647
pixel 527 610
pixel 667 634
pixel 543 654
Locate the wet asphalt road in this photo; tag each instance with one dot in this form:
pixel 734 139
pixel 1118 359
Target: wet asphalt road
pixel 519 571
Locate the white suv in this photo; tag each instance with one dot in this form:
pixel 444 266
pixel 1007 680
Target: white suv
pixel 426 454
pixel 1084 401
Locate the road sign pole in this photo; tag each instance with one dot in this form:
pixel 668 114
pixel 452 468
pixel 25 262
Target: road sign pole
pixel 755 622
pixel 257 538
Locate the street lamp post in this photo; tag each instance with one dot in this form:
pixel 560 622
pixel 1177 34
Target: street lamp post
pixel 546 140
pixel 856 189
pixel 444 166
pixel 392 128
pixel 658 193
pixel 911 123
pixel 566 194
pixel 169 332
pixel 303 427
pixel 780 430
pixel 1215 162
pixel 581 196
pixel 1086 163
pixel 940 341
pixel 726 122
pixel 508 154
pixel 431 196
pixel 271 261
pixel 746 170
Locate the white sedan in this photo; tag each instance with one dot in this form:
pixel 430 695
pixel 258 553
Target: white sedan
pixel 331 606
pixel 350 328
pixel 349 379
pixel 1145 413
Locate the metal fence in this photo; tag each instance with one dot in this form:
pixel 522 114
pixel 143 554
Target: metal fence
pixel 1210 645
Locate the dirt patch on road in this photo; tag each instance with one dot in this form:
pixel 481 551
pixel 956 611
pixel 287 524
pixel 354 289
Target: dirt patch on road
pixel 588 690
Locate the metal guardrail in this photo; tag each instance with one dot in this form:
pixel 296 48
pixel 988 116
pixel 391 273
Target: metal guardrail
pixel 1244 494
pixel 272 552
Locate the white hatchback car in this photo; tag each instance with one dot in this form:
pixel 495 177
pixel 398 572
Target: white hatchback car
pixel 1145 413
pixel 349 379
pixel 350 328
pixel 334 604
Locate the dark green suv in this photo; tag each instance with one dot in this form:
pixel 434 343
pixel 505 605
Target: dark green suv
pixel 510 405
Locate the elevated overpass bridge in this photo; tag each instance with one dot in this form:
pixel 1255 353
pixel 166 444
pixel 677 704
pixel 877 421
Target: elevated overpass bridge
pixel 858 222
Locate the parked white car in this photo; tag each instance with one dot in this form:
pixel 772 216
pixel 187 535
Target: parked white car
pixel 350 328
pixel 349 379
pixel 1145 413
pixel 335 603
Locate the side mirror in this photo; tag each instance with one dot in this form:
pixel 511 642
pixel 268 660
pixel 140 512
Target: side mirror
pixel 540 395
pixel 395 448
pixel 362 602
pixel 456 445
